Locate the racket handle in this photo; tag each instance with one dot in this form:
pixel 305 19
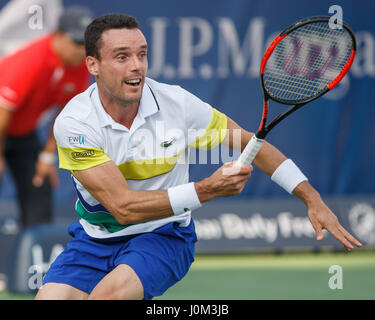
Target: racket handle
pixel 251 150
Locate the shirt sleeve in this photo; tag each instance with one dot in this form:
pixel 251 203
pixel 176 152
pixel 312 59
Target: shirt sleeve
pixel 78 145
pixel 207 126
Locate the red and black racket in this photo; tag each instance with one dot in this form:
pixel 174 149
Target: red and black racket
pixel 302 63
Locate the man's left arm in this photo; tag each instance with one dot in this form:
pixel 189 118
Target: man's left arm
pixel 268 160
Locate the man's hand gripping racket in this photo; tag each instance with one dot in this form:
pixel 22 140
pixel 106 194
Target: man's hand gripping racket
pixel 302 63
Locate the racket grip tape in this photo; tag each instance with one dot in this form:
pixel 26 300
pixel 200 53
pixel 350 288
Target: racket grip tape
pixel 249 153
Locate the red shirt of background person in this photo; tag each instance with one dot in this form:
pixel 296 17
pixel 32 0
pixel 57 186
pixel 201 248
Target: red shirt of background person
pixel 33 80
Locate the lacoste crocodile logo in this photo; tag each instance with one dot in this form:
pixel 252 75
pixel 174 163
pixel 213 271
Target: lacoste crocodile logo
pixel 167 143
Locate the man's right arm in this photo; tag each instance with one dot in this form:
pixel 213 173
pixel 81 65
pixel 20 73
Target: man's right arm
pixel 107 185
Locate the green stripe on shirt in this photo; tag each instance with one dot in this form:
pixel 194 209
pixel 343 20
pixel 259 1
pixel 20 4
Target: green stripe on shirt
pixel 102 218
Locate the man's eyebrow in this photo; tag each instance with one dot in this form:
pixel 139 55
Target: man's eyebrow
pixel 128 48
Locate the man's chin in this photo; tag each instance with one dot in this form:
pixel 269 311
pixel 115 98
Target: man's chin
pixel 133 95
pixel 129 100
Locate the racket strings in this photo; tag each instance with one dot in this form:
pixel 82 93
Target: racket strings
pixel 305 61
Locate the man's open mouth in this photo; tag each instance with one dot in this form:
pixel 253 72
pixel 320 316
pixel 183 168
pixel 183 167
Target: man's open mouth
pixel 133 82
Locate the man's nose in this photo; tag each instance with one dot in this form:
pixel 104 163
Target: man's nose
pixel 135 63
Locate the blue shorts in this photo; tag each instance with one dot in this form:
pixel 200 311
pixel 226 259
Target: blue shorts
pixel 160 258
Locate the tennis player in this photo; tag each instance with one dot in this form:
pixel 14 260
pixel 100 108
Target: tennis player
pixel 125 140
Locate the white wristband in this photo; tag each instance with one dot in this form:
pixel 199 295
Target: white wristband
pixel 288 176
pixel 183 198
pixel 47 157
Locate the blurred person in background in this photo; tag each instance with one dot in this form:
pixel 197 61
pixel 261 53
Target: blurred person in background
pixel 41 75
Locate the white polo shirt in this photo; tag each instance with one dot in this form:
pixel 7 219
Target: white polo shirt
pixel 152 155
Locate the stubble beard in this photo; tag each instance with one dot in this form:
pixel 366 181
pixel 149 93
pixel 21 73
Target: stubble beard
pixel 122 101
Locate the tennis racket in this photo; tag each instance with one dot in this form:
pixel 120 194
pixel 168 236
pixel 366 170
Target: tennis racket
pixel 304 62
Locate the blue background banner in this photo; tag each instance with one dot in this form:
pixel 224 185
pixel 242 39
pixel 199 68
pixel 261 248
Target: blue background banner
pixel 213 48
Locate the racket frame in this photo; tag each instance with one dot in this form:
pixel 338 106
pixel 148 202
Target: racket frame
pixel 263 129
pixel 255 143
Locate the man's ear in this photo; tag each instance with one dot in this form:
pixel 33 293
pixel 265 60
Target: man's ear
pixel 92 65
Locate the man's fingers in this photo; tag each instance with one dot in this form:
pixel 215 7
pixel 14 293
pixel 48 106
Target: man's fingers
pixel 339 233
pixel 349 237
pixel 230 169
pixel 319 234
pixel 340 237
pixel 321 217
pixel 317 228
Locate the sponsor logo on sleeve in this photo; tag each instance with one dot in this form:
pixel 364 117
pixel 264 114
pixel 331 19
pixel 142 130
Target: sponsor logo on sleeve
pixel 77 140
pixel 83 154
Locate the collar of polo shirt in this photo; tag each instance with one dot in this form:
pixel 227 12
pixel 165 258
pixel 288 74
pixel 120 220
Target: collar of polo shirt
pixel 147 107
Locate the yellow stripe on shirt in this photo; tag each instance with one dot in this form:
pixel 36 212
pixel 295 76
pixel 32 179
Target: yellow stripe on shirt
pixel 80 158
pixel 141 169
pixel 214 133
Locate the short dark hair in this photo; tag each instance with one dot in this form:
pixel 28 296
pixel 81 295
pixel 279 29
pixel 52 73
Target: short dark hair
pixel 96 28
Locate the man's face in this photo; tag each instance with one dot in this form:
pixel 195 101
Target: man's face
pixel 123 64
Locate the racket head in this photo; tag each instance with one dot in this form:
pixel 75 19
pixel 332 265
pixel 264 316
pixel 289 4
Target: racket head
pixel 306 60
